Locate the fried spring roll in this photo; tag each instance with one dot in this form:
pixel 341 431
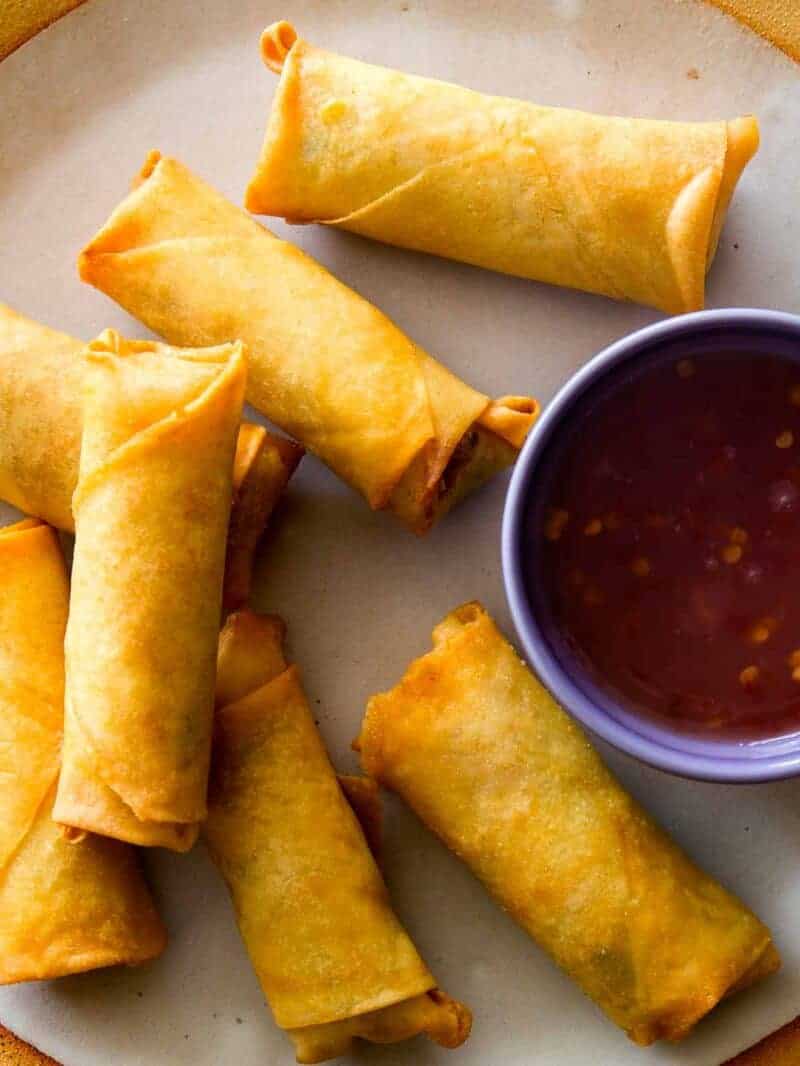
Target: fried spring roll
pixel 333 960
pixel 41 413
pixel 151 509
pixel 324 365
pixel 628 208
pixel 506 779
pixel 64 908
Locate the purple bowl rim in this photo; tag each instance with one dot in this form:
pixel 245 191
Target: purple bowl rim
pixel 718 764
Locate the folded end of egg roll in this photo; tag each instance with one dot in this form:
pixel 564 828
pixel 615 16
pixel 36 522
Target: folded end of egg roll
pixel 262 467
pixel 434 1014
pixel 332 958
pixel 743 139
pixel 441 477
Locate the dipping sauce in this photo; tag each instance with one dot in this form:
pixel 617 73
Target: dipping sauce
pixel 670 547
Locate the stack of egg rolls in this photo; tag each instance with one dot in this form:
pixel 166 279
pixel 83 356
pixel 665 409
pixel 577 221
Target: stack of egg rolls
pixel 628 208
pixel 41 415
pixel 64 907
pixel 331 956
pixel 324 364
pixel 487 759
pixel 151 510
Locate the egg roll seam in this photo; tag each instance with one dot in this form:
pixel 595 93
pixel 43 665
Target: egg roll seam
pixel 166 427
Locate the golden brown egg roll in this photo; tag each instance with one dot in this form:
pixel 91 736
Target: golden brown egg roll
pixel 628 208
pixel 487 759
pixel 64 908
pixel 151 510
pixel 332 959
pixel 41 413
pixel 324 365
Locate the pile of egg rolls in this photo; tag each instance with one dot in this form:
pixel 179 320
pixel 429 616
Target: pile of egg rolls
pixel 143 703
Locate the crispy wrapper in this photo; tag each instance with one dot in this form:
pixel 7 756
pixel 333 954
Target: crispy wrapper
pixel 151 510
pixel 41 418
pixel 332 958
pixel 64 907
pixel 324 364
pixel 506 779
pixel 628 208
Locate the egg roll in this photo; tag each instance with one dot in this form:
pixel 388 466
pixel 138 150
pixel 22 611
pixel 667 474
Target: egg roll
pixel 332 958
pixel 64 908
pixel 324 365
pixel 487 759
pixel 41 415
pixel 151 510
pixel 625 207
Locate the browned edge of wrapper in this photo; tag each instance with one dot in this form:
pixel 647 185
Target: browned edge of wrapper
pixel 781 1048
pixel 443 1020
pixel 263 465
pixel 15 1052
pixel 439 478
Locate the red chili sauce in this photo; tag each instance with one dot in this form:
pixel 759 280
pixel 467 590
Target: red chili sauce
pixel 672 543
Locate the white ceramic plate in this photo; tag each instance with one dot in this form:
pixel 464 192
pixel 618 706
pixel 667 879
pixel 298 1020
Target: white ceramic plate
pixel 79 108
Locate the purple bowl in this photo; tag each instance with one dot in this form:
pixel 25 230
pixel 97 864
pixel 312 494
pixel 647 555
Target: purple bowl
pixel 765 759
